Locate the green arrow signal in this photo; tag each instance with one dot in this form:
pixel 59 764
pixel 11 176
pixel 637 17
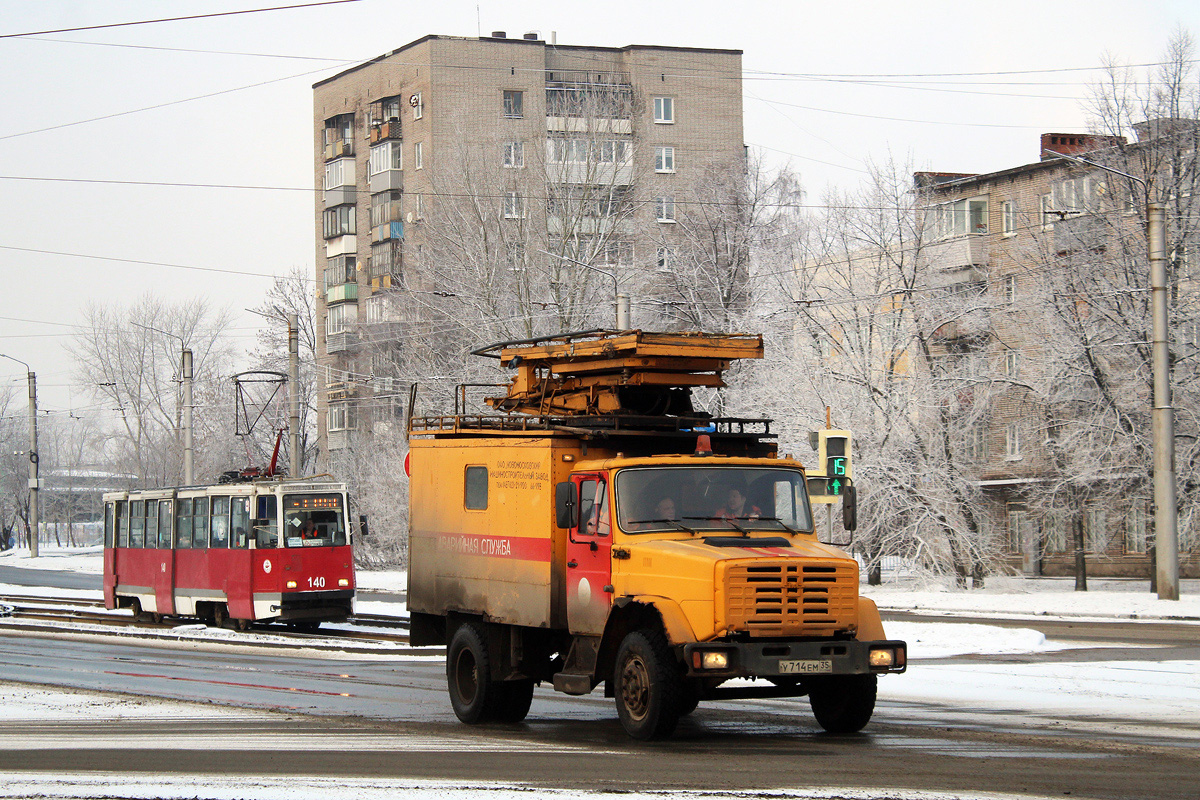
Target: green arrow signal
pixel 835 486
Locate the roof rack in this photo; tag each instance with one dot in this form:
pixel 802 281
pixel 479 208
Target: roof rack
pixel 602 374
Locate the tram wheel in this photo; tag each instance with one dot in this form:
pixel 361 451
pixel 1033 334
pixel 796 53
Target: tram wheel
pixel 220 615
pixel 158 618
pixel 136 607
pixel 242 624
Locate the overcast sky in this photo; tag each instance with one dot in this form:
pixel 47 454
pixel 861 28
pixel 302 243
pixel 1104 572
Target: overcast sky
pixel 209 105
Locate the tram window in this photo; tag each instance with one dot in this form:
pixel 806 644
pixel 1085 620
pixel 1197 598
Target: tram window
pixel 151 523
pixel 266 525
pixel 108 524
pixel 122 523
pixel 239 509
pixel 200 522
pixel 164 524
pixel 220 522
pixel 183 522
pixel 137 522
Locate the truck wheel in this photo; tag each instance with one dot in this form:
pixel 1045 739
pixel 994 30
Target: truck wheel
pixel 511 700
pixel 843 703
pixel 468 675
pixel 648 686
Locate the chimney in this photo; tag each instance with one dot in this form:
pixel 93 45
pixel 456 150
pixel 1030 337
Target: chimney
pixel 532 36
pixel 1073 144
pixel 499 35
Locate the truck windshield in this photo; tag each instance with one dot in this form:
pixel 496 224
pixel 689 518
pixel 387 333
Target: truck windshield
pixel 712 498
pixel 314 520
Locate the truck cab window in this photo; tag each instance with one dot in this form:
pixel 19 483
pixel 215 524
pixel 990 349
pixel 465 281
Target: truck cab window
pixel 593 508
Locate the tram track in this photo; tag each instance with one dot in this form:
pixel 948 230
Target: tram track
pixel 59 614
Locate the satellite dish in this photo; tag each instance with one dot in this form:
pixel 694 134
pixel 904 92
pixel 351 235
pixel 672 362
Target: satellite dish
pixel 409 217
pixel 414 100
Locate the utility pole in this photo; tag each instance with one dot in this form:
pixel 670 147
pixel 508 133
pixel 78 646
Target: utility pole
pixel 620 299
pixel 294 395
pixel 188 450
pixel 33 457
pixel 1166 524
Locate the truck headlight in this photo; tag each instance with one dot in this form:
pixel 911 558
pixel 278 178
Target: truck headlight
pixel 710 659
pixel 882 658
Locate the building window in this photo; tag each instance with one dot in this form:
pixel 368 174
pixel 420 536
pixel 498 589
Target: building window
pixel 1012 442
pixel 664 209
pixel 664 159
pixel 665 258
pixel 342 417
pixel 958 218
pixel 664 110
pixel 1012 364
pixel 419 206
pixel 1095 528
pixel 1018 526
pixel 339 173
pixel 475 489
pixel 386 259
pixel 1054 528
pixel 419 155
pixel 1008 218
pixel 418 105
pixel 514 206
pixel 614 151
pixel 385 208
pixel 619 253
pixel 339 318
pixel 339 221
pixel 1137 527
pixel 385 110
pixel 386 156
pixel 514 104
pixel 1010 289
pixel 1046 211
pixel 514 155
pixel 340 270
pixel 976 443
pixel 339 129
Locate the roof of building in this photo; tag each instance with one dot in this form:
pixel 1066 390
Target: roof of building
pixel 512 40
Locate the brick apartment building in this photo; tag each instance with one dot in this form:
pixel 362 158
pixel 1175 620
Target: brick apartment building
pixel 992 239
pixel 626 129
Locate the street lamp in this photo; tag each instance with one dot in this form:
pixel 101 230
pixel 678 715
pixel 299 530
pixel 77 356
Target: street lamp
pixel 621 301
pixel 185 367
pixel 33 457
pixel 1166 533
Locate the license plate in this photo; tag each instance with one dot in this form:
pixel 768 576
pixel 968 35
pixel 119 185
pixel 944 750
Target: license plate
pixel 809 666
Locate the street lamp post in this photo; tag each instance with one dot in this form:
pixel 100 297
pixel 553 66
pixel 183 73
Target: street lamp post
pixel 33 457
pixel 1166 531
pixel 620 301
pixel 185 369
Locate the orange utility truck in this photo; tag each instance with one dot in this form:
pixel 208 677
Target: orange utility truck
pixel 595 529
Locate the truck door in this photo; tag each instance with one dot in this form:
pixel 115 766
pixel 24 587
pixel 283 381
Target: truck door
pixel 589 565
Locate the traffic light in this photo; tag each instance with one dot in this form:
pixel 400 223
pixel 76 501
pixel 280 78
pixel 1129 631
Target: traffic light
pixel 833 460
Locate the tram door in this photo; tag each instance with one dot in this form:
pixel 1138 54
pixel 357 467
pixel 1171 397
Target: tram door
pixel 164 568
pixel 111 512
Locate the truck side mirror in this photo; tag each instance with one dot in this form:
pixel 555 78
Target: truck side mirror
pixel 850 508
pixel 566 504
pixel 363 530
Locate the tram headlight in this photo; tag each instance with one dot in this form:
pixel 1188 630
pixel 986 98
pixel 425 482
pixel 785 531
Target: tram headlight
pixel 291 584
pixel 343 582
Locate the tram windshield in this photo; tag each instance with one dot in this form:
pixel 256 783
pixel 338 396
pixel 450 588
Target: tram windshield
pixel 314 520
pixel 734 499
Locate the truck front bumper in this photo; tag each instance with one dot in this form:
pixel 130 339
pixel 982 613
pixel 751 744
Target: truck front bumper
pixel 794 659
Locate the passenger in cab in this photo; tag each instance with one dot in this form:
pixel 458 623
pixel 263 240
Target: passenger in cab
pixel 736 506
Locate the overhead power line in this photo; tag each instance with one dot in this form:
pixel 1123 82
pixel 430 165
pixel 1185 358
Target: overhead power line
pixel 175 19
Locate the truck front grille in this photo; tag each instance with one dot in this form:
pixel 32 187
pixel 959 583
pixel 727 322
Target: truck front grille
pixel 791 597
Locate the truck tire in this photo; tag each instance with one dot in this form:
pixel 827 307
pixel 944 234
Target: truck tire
pixel 468 675
pixel 511 700
pixel 648 686
pixel 842 703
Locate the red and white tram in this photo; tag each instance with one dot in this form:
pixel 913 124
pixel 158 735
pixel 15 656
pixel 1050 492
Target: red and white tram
pixel 243 552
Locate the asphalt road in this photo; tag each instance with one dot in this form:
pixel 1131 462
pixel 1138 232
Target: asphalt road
pixel 391 718
pixel 53 578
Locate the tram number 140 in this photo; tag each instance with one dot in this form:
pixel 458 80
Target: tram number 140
pixel 316 583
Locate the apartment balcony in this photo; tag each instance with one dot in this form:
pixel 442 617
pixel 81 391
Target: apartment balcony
pixel 960 260
pixel 586 124
pixel 965 328
pixel 339 149
pixel 341 342
pixel 342 293
pixel 341 390
pixel 383 131
pixel 1080 234
pixel 386 181
pixel 387 231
